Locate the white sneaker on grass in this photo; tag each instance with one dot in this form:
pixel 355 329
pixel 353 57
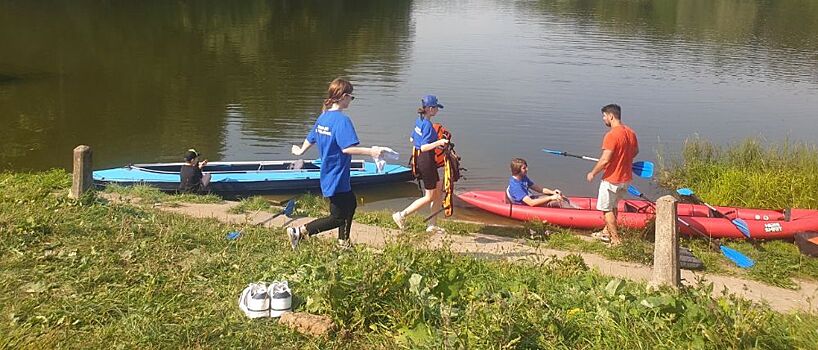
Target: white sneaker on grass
pixel 602 236
pixel 435 229
pixel 344 244
pixel 399 219
pixel 295 236
pixel 281 298
pixel 254 301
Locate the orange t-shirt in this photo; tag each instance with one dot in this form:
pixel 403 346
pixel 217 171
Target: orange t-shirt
pixel 621 141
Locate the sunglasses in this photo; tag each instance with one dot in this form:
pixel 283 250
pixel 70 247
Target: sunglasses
pixel 351 98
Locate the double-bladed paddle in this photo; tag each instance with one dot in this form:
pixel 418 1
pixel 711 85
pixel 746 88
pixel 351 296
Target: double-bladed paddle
pixel 739 223
pixel 735 256
pixel 288 210
pixel 643 169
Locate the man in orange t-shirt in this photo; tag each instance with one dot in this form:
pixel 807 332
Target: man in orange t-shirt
pixel 619 147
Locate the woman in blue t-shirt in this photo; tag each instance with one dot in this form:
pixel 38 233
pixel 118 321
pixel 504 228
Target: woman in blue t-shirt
pixel 520 186
pixel 424 140
pixel 337 141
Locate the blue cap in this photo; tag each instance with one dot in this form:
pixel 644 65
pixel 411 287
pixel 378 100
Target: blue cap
pixel 430 101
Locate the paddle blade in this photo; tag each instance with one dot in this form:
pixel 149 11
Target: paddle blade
pixel 741 225
pixel 685 192
pixel 735 256
pixel 643 169
pixel 634 191
pixel 288 210
pixel 559 153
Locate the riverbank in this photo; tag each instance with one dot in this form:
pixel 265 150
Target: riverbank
pixel 94 270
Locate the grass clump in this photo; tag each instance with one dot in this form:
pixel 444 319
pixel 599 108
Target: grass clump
pixel 92 274
pixel 746 174
pixel 752 174
pixel 149 194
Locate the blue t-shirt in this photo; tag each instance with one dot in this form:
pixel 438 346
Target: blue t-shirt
pixel 333 132
pixel 518 189
pixel 423 132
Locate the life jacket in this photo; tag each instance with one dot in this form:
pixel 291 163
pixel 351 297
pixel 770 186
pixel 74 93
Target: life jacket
pixel 442 133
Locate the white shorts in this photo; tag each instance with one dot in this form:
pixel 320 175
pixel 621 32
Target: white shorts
pixel 609 195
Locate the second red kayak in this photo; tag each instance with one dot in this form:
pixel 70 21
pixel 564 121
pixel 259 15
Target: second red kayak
pixel 763 223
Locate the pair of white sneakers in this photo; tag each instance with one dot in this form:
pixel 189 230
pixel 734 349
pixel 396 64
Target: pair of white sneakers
pixel 263 300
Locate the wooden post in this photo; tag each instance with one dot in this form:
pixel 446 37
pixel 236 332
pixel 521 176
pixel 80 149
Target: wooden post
pixel 666 248
pixel 83 168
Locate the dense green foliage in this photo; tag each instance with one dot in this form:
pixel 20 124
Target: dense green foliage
pixel 92 274
pixel 747 174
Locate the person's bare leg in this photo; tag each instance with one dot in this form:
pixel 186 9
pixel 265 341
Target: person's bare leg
pixel 610 225
pixel 435 204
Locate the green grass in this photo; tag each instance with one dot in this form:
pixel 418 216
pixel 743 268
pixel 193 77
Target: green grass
pixel 752 174
pixel 88 273
pixel 747 174
pixel 151 195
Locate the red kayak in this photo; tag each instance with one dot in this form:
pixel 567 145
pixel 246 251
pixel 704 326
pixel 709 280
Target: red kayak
pixel 763 223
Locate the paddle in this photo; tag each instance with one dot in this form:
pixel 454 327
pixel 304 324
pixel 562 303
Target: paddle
pixel 288 210
pixel 643 169
pixel 733 255
pixel 740 224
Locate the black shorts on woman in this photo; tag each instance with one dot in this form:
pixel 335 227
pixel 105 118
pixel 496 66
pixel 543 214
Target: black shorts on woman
pixel 427 168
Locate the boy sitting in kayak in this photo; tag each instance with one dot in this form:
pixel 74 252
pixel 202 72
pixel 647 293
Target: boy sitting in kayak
pixel 520 186
pixel 192 180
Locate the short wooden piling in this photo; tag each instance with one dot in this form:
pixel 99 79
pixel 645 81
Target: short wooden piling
pixel 83 167
pixel 666 248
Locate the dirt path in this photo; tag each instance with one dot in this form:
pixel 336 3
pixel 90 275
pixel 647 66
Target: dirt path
pixel 481 245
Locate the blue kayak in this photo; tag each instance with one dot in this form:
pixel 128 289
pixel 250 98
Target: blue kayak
pixel 257 177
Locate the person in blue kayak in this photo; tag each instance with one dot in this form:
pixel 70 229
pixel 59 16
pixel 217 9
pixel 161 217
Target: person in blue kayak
pixel 425 140
pixel 337 143
pixel 520 187
pixel 191 177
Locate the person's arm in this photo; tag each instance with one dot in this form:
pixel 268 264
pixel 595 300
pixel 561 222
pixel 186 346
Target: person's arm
pixel 533 202
pixel 604 159
pixel 202 164
pixel 545 191
pixel 373 151
pixel 304 147
pixel 430 146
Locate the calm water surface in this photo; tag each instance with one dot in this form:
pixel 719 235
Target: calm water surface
pixel 143 82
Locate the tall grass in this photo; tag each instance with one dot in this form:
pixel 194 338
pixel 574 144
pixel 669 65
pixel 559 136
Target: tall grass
pixel 747 174
pixel 92 274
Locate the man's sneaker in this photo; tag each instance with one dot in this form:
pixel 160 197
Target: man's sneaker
pixel 281 298
pixel 602 236
pixel 295 236
pixel 435 229
pixel 344 244
pixel 399 219
pixel 254 301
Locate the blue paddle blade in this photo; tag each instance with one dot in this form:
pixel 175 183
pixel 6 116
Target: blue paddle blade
pixel 288 210
pixel 741 225
pixel 643 169
pixel 559 153
pixel 735 256
pixel 685 192
pixel 634 191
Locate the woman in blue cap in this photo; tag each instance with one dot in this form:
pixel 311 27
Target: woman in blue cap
pixel 424 140
pixel 337 143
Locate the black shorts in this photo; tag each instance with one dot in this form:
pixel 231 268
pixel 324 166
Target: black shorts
pixel 427 167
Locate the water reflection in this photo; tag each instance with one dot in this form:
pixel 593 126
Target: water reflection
pixel 242 81
pixel 143 82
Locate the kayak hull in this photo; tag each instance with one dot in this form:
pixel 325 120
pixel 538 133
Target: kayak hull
pixel 636 214
pixel 249 178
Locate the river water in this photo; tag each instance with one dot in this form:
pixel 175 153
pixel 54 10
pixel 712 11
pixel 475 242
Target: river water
pixel 144 81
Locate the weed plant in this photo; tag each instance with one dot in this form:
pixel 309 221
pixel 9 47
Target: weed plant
pixel 752 174
pixel 88 273
pixel 746 174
